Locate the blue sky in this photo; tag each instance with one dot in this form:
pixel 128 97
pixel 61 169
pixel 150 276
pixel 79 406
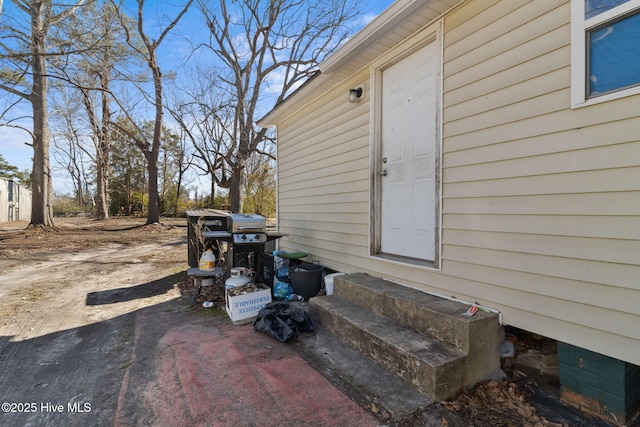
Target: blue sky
pixel 12 141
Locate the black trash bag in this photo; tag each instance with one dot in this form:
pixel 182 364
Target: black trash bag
pixel 283 321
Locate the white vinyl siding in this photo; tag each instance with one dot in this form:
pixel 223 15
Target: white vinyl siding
pixel 540 202
pixel 323 179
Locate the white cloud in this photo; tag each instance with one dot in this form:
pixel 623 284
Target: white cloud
pixel 366 19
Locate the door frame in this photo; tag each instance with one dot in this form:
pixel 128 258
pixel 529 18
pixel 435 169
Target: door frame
pixel 428 35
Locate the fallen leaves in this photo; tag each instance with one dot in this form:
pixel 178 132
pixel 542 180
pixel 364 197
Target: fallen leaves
pixel 499 403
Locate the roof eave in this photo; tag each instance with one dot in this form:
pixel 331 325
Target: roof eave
pixel 272 117
pixel 352 48
pixel 376 29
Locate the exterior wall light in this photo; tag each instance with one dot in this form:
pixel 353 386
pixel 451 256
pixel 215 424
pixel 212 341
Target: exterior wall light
pixel 355 95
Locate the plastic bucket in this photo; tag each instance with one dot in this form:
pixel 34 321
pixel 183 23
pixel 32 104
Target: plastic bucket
pixel 328 282
pixel 306 280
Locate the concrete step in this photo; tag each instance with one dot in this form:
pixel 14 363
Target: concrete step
pixel 428 314
pixel 365 381
pixel 422 338
pixel 434 367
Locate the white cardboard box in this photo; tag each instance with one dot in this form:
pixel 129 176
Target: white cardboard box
pixel 247 306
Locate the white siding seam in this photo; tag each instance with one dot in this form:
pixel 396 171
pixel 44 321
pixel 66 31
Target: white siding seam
pixel 508 33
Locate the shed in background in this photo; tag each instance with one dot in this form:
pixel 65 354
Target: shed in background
pixel 15 201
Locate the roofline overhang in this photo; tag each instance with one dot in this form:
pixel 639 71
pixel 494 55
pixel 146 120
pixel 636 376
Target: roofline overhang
pixel 354 46
pixel 398 12
pixel 286 105
pixel 375 30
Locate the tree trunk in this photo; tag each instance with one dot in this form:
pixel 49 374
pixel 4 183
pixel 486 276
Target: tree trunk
pixel 235 189
pixel 153 214
pixel 180 175
pixel 102 185
pixel 79 186
pixel 102 161
pixel 102 196
pixel 163 196
pixel 41 209
pixel 129 194
pixel 213 192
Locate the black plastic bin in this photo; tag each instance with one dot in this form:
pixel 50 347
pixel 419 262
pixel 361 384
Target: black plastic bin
pixel 266 269
pixel 306 279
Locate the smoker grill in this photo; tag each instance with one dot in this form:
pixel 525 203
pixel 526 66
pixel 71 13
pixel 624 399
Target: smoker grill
pixel 244 235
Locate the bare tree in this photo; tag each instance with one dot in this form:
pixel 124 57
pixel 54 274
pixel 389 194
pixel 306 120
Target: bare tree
pixel 128 174
pixel 25 76
pixel 175 163
pixel 267 48
pixel 68 146
pixel 260 186
pixel 197 112
pixel 101 49
pixel 151 149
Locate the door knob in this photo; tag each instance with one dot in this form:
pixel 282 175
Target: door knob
pixel 384 172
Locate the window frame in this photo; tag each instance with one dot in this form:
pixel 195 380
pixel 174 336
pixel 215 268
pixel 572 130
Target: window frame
pixel 579 57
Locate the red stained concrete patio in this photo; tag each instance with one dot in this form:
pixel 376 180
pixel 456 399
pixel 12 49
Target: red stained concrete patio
pixel 213 373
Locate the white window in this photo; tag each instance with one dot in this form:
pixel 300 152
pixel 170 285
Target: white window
pixel 605 50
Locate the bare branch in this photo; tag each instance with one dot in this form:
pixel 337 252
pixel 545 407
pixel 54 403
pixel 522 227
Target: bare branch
pixel 262 44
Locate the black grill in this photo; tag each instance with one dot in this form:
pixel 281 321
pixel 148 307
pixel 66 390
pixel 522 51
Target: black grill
pixel 238 239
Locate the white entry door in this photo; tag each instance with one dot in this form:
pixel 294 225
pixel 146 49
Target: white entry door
pixel 408 153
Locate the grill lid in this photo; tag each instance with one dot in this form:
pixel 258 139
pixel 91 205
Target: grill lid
pixel 247 223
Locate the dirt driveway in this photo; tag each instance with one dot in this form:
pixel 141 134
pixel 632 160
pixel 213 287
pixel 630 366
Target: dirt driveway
pixel 53 281
pixel 98 327
pixel 67 304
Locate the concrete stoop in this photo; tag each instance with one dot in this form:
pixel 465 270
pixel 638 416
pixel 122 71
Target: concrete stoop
pixel 423 339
